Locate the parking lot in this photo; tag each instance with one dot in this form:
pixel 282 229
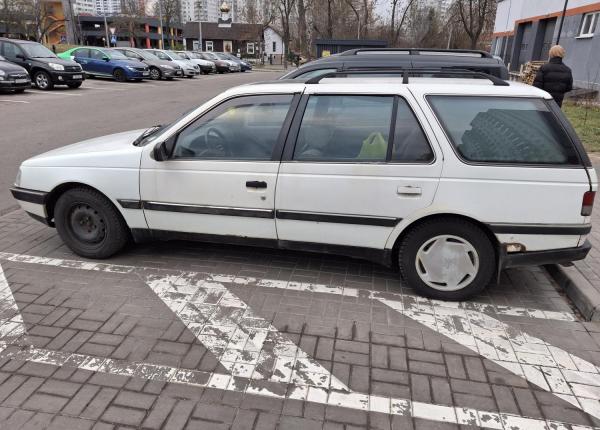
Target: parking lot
pixel 192 335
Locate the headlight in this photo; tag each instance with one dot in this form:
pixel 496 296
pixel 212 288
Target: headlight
pixel 56 66
pixel 18 179
pixel 166 66
pixel 130 68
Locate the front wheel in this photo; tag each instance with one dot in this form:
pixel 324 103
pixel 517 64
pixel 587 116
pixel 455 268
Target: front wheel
pixel 43 81
pixel 89 223
pixel 119 75
pixel 447 259
pixel 155 74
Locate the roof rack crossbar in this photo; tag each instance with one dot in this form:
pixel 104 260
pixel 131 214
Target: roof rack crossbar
pixel 406 72
pixel 417 51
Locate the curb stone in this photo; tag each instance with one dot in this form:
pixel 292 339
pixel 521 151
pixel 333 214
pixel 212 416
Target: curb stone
pixel 583 294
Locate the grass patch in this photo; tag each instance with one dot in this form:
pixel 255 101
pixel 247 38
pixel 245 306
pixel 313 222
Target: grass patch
pixel 587 129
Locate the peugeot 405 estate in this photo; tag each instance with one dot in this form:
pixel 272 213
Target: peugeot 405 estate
pixel 450 179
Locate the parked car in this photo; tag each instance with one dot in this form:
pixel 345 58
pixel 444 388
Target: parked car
pixel 244 65
pixel 391 58
pixel 408 172
pixel 159 69
pixel 13 78
pixel 206 66
pixel 189 69
pixel 222 65
pixel 44 67
pixel 107 62
pixel 234 65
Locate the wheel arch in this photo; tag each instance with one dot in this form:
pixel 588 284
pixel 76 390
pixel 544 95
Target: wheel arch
pixel 439 216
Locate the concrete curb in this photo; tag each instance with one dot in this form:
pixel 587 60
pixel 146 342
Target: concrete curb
pixel 583 294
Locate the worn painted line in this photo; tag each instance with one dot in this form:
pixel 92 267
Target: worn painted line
pixel 59 93
pixel 350 400
pixel 237 336
pixel 14 101
pixel 11 321
pixel 300 286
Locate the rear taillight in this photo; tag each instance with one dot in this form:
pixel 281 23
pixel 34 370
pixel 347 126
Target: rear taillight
pixel 588 203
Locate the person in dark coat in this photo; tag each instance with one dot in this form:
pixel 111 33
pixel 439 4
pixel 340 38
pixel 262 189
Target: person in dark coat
pixel 554 76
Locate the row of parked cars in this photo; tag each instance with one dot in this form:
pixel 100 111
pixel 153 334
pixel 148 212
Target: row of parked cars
pixel 23 62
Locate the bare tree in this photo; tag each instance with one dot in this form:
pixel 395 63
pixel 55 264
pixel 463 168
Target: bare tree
pixel 395 30
pixel 129 21
pixel 302 27
pixel 286 8
pixel 476 17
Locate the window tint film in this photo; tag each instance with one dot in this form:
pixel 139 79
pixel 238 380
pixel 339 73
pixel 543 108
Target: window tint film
pixel 244 128
pixel 410 143
pixel 504 130
pixel 345 128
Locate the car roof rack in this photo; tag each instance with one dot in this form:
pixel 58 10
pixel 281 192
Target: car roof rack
pixel 406 72
pixel 416 51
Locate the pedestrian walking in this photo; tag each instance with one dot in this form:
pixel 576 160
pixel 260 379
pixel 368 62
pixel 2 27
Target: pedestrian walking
pixel 555 77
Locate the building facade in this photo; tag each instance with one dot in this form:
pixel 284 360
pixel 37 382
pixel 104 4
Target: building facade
pixel 208 10
pixel 83 7
pixel 525 30
pixel 108 7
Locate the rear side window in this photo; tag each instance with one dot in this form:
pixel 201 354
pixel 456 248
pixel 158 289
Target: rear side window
pixel 356 128
pixel 504 130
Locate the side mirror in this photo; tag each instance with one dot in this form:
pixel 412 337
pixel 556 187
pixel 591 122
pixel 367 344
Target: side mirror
pixel 160 152
pixel 106 59
pixel 20 56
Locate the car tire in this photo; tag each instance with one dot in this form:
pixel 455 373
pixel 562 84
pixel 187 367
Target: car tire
pixel 42 80
pixel 119 75
pixel 447 259
pixel 74 85
pixel 89 223
pixel 155 74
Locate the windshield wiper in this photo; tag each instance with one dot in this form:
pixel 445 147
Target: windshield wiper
pixel 149 132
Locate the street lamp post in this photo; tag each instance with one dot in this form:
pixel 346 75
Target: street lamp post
pixel 562 21
pixel 162 33
pixel 198 8
pixel 106 31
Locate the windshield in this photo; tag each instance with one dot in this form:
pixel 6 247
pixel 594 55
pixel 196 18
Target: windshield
pixel 221 56
pixel 194 56
pixel 175 56
pixel 146 55
pixel 2 58
pixel 35 50
pixel 116 55
pixel 183 55
pixel 210 55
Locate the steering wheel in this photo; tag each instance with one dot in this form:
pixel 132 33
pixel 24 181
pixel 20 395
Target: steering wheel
pixel 215 144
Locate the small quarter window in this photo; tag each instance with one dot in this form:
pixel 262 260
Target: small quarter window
pixel 410 143
pixel 504 130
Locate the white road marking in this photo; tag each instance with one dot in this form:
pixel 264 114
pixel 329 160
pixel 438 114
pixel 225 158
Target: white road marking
pixel 14 101
pixel 11 321
pixel 50 93
pixel 553 369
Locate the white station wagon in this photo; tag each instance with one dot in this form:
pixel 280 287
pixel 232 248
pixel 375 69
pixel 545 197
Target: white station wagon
pixel 451 179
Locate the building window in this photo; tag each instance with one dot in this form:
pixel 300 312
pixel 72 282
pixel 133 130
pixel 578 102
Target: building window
pixel 209 45
pixel 274 46
pixel 250 48
pixel 588 24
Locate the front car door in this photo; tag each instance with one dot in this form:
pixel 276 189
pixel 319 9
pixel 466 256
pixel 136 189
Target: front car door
pixel 13 53
pixel 82 56
pixel 355 166
pixel 220 178
pixel 98 63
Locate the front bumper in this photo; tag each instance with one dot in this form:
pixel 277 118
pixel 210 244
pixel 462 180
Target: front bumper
pixel 34 203
pixel 190 72
pixel 67 77
pixel 137 74
pixel 539 258
pixel 13 85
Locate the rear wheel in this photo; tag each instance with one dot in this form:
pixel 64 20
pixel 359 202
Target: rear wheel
pixel 155 74
pixel 119 75
pixel 447 259
pixel 89 223
pixel 43 81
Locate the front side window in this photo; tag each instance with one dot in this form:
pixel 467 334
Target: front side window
pixel 244 128
pixel 345 128
pixel 162 55
pixel 11 51
pixel 97 55
pixel 504 130
pixel 81 53
pixel 588 24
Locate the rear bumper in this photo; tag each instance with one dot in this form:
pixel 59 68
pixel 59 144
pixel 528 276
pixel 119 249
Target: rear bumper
pixel 539 258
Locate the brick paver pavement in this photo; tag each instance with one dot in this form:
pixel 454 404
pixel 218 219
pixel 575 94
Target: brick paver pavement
pixel 168 336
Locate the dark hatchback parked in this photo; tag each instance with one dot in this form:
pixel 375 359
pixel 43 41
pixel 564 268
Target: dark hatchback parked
pixel 12 77
pixel 159 69
pixel 388 58
pixel 44 67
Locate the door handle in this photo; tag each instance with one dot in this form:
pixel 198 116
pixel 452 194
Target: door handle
pixel 409 190
pixel 256 184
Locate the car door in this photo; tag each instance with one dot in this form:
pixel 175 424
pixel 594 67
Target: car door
pixel 82 56
pixel 13 53
pixel 98 63
pixel 220 178
pixel 355 166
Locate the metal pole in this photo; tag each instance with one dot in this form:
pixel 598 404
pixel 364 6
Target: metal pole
pixel 162 32
pixel 562 21
pixel 198 7
pixel 106 31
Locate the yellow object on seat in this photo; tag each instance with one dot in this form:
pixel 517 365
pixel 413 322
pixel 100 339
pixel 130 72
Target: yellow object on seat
pixel 374 147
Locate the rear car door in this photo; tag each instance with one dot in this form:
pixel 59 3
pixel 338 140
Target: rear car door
pixel 220 179
pixel 353 168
